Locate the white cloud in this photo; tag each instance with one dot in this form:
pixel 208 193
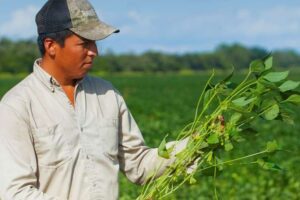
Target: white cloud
pixel 269 27
pixel 275 27
pixel 240 24
pixel 21 23
pixel 272 22
pixel 137 24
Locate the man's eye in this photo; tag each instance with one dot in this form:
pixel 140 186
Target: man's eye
pixel 84 43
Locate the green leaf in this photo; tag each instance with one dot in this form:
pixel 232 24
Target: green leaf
pixel 266 84
pixel 238 138
pixel 238 109
pixel 235 118
pixel 288 85
pixel 228 146
pixel 193 180
pixel 268 101
pixel 162 150
pixel 257 66
pixel 268 62
pixel 287 113
pixel 220 164
pixel 272 112
pixel 295 99
pixel 272 146
pixel 287 117
pixel 231 85
pixel 260 162
pixel 276 76
pixel 224 90
pixel 271 97
pixel 260 88
pixel 210 156
pixel 203 145
pixel 268 165
pixel 242 101
pixel 207 96
pixel 226 79
pixel 213 139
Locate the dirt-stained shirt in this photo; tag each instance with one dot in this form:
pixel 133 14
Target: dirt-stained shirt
pixel 51 150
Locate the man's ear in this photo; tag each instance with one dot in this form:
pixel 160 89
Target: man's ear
pixel 50 46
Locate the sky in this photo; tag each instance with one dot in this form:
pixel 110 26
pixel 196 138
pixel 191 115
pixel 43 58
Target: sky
pixel 176 26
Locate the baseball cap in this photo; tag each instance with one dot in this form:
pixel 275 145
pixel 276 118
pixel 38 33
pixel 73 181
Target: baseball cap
pixel 77 15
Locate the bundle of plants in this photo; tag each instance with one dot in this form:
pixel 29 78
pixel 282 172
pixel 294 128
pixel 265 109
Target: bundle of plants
pixel 224 112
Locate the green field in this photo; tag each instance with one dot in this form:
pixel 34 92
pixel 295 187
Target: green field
pixel 163 104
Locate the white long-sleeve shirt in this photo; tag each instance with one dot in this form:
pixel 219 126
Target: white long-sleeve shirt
pixel 50 150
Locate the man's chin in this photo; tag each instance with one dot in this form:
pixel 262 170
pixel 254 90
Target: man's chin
pixel 88 66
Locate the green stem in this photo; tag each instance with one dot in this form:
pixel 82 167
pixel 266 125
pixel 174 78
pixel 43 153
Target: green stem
pixel 202 94
pixel 183 181
pixel 204 109
pixel 215 175
pixel 241 84
pixel 234 160
pixel 259 114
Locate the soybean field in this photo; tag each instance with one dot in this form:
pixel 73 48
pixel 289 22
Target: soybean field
pixel 164 103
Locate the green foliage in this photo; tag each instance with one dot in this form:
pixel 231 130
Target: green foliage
pixel 242 101
pixel 18 56
pixel 272 146
pixel 276 76
pixel 177 98
pixel 162 150
pixel 259 96
pixel 294 98
pixel 213 139
pixel 272 112
pixel 268 165
pixel 289 85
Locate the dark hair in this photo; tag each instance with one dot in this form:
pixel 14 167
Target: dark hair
pixel 59 37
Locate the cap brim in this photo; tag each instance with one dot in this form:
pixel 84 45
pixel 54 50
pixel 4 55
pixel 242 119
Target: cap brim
pixel 98 31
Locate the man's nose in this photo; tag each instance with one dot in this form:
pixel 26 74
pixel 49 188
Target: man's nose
pixel 93 50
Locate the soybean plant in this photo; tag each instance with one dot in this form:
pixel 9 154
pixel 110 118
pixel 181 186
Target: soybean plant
pixel 224 112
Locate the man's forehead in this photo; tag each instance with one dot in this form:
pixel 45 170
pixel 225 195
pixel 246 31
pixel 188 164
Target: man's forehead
pixel 79 38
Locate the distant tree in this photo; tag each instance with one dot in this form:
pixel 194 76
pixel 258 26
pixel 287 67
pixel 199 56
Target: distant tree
pixel 18 56
pixel 287 58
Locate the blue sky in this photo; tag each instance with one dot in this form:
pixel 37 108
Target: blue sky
pixel 176 26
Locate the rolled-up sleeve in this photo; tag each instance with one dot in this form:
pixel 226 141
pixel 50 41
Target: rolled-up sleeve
pixel 137 161
pixel 18 167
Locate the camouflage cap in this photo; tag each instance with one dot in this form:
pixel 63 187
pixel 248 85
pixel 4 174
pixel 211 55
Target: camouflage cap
pixel 77 15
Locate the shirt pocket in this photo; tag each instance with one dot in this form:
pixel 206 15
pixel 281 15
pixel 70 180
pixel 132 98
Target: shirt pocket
pixel 108 131
pixel 51 146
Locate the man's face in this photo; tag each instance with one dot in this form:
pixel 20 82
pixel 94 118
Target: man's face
pixel 76 57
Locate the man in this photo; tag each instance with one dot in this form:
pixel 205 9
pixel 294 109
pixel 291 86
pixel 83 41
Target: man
pixel 65 135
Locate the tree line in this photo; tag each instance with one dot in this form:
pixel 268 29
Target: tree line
pixel 18 57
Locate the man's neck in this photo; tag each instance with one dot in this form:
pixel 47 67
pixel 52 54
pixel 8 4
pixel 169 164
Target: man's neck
pixel 67 85
pixel 55 72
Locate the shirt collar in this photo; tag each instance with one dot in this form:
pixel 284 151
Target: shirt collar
pixel 48 80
